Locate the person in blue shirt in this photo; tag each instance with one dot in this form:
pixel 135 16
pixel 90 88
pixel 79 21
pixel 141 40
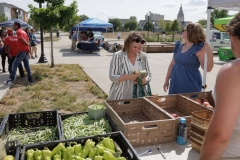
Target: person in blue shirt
pixel 33 42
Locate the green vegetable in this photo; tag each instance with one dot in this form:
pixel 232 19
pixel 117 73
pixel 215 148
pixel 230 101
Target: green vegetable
pixel 64 154
pixel 70 151
pixel 30 154
pixel 58 148
pixel 92 152
pixel 108 143
pixel 143 72
pixel 97 107
pixel 77 148
pixel 30 135
pixel 88 145
pixel 121 158
pixel 46 154
pixel 98 158
pixel 108 156
pixel 37 154
pixel 56 157
pixel 77 158
pixel 83 126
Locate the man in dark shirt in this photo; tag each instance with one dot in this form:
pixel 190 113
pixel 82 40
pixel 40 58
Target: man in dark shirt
pixel 90 36
pixel 23 54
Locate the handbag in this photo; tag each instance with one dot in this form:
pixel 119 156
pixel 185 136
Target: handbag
pixel 142 90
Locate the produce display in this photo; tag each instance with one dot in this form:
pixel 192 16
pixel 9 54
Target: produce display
pixel 83 125
pixel 29 135
pixel 106 149
pixel 97 107
pixel 204 102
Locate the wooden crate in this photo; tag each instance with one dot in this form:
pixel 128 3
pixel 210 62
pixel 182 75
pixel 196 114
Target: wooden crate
pixel 176 104
pixel 142 122
pixel 195 95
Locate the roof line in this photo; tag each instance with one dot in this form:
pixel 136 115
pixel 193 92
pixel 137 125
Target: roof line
pixel 11 5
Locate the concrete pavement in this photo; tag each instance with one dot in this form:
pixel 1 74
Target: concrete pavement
pixel 96 65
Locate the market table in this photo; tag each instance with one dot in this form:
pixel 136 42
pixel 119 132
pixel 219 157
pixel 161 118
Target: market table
pixel 87 46
pixel 172 151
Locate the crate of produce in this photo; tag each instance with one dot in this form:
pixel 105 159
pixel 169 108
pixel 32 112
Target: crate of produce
pixel 141 122
pixel 79 125
pixel 31 127
pixel 201 119
pixel 13 148
pixel 203 98
pixel 177 106
pixel 116 140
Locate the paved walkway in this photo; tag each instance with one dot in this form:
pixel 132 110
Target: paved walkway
pixel 97 67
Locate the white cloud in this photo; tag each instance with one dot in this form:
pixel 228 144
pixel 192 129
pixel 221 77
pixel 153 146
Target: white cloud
pixel 103 15
pixel 17 0
pixel 170 5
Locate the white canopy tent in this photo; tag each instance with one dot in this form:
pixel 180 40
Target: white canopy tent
pixel 220 4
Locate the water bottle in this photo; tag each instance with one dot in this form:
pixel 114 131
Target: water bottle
pixel 182 132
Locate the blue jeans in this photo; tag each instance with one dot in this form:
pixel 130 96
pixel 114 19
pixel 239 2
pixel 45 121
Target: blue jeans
pixel 22 56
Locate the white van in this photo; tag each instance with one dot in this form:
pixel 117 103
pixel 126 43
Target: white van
pixel 218 39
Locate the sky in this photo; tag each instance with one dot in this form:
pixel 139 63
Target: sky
pixel 123 9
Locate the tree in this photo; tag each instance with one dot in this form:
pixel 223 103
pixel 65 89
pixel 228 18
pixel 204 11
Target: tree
pixel 218 13
pixel 116 23
pixel 131 24
pixel 83 17
pixel 3 18
pixel 133 18
pixel 162 25
pixel 175 26
pixel 71 23
pixel 32 23
pixel 150 24
pixel 203 22
pixel 55 14
pixel 168 26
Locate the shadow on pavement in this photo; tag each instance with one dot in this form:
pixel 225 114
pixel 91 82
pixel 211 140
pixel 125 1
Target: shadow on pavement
pixel 70 53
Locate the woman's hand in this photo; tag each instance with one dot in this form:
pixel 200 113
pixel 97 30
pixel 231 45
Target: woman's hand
pixel 166 86
pixel 133 77
pixel 207 48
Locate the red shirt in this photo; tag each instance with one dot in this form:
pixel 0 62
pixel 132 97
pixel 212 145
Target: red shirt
pixel 21 34
pixel 12 42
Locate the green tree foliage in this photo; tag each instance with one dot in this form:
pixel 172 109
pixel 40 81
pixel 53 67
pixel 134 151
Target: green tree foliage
pixel 132 24
pixel 133 18
pixel 3 18
pixel 83 17
pixel 150 24
pixel 218 13
pixel 33 24
pixel 116 23
pixel 203 22
pixel 162 24
pixel 55 14
pixel 175 26
pixel 168 27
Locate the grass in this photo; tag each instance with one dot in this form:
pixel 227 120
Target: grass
pixel 65 87
pixel 155 38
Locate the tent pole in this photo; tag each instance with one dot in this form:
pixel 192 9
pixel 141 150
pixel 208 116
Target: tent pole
pixel 208 36
pixel 113 34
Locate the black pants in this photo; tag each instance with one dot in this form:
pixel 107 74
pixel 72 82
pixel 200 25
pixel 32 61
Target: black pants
pixel 3 61
pixel 20 68
pixel 79 46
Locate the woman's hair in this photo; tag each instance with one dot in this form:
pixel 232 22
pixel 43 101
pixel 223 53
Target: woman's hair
pixel 27 29
pixel 32 30
pixel 233 27
pixel 90 30
pixel 132 38
pixel 195 33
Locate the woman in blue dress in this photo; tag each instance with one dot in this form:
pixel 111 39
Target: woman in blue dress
pixel 188 56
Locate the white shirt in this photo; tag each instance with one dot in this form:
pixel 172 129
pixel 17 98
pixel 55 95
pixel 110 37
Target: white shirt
pixel 119 34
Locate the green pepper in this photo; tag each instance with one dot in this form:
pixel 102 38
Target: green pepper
pixel 108 156
pixel 108 143
pixel 88 145
pixel 56 157
pixel 121 158
pixel 78 158
pixel 46 154
pixel 37 154
pixel 77 148
pixel 64 154
pixel 98 158
pixel 101 149
pixel 58 148
pixel 30 154
pixel 70 151
pixel 92 152
pixel 88 159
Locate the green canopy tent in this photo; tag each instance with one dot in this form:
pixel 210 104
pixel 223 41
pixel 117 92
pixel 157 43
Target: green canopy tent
pixel 220 23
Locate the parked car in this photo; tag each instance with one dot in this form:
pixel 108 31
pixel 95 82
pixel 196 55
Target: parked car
pixel 38 32
pixel 98 35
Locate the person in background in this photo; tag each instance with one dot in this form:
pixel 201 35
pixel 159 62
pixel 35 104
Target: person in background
pixel 90 35
pixel 74 41
pixel 33 42
pixel 3 36
pixel 119 35
pixel 188 56
pixel 123 65
pixel 23 55
pixel 222 140
pixel 12 45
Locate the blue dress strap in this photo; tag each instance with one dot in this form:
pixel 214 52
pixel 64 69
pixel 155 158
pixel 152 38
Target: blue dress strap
pixel 177 44
pixel 198 47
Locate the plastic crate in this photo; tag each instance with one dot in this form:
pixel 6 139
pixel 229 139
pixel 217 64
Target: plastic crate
pixel 176 104
pixel 64 116
pixel 31 119
pixel 128 151
pixel 13 148
pixel 142 122
pixel 208 95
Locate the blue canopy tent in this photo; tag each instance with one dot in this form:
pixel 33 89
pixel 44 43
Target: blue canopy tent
pixel 10 23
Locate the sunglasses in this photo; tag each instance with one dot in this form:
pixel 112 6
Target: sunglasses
pixel 139 40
